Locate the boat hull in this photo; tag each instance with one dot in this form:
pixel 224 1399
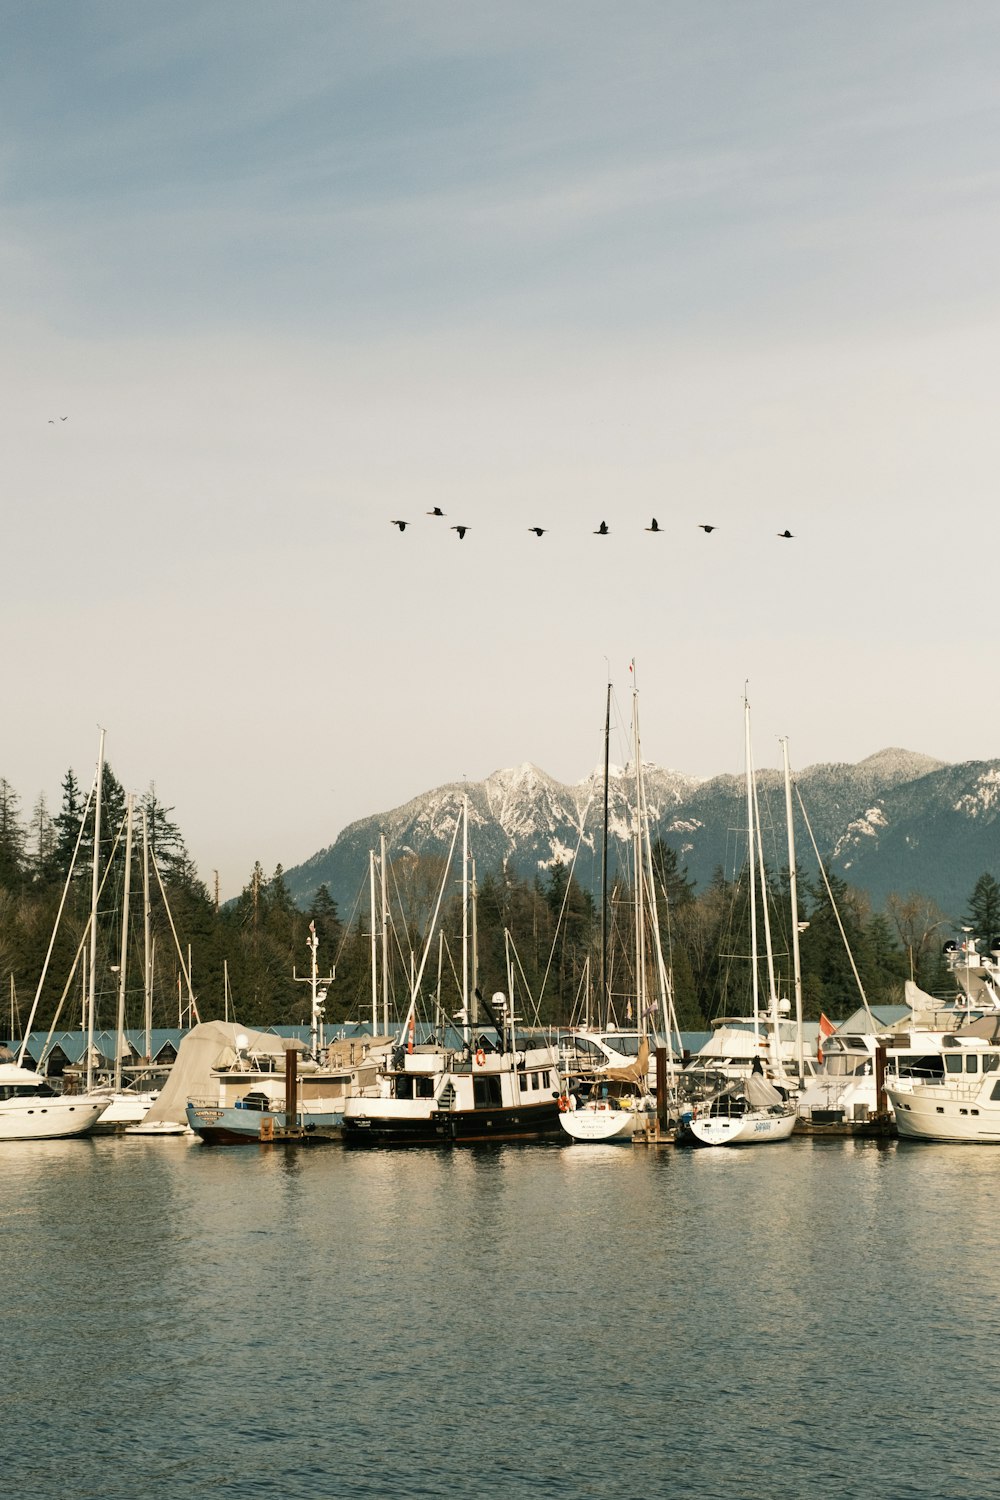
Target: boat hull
pixel 596 1122
pixel 227 1125
pixel 932 1113
pixel 121 1110
pixel 47 1119
pixel 458 1127
pixel 751 1129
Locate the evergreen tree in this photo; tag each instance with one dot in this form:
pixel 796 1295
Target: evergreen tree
pixel 670 878
pixel 42 845
pixel 11 839
pixel 984 911
pixel 67 825
pixel 166 844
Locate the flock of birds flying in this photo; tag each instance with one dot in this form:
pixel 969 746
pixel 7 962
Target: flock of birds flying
pixel 602 530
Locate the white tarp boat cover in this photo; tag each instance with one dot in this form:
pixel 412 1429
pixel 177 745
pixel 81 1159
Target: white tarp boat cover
pixel 210 1044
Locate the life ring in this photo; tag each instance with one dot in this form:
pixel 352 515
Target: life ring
pixel 480 1056
pixel 563 1103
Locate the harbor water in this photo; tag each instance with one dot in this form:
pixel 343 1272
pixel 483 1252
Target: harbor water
pixel 813 1319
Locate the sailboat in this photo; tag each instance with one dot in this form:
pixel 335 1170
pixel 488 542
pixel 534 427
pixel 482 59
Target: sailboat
pixel 125 1107
pixel 609 1095
pixel 484 1081
pixel 30 1108
pixel 753 1110
pixel 617 1102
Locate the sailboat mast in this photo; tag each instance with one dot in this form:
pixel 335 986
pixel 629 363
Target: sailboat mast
pixel 772 989
pixel 465 917
pixel 603 1008
pixel 752 863
pixel 147 946
pixel 794 897
pixel 371 897
pixel 123 952
pixel 385 935
pixel 94 887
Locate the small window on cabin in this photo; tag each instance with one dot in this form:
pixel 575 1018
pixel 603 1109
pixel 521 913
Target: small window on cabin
pixel 995 1091
pixel 990 1061
pixel 546 1080
pixel 953 1063
pixel 486 1091
pixel 534 1080
pixel 972 1063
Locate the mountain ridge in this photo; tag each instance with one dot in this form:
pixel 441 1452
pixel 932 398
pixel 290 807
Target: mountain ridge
pixel 896 821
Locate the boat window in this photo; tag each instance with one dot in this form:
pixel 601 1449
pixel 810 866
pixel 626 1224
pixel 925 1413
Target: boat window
pixel 972 1063
pixel 546 1080
pixel 628 1046
pixel 585 1048
pixel 995 1091
pixel 990 1062
pixel 953 1063
pixel 534 1080
pixel 486 1090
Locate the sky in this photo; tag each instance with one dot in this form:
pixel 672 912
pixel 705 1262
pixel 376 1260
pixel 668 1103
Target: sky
pixel 274 276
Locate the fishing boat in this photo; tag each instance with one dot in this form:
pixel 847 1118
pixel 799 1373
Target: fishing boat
pixel 491 1084
pixel 275 1097
pixel 31 1110
pixel 482 1079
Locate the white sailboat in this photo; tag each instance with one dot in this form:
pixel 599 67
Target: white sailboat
pixel 609 1096
pixel 617 1105
pixel 30 1108
pixel 754 1110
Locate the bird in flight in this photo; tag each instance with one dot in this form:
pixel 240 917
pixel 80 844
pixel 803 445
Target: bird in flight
pixel 538 530
pixel 704 527
pixel 654 525
pixel 437 511
pixel 461 531
pixel 401 524
pixel 602 530
pixel 64 419
pixel 786 534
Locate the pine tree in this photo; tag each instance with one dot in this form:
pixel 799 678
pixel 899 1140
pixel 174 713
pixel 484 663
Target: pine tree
pixel 12 862
pixel 984 911
pixel 67 824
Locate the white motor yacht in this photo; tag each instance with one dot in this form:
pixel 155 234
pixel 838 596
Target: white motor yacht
pixel 31 1110
pixel 964 1103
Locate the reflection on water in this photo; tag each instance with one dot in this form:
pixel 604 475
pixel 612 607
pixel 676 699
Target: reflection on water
pixel 550 1320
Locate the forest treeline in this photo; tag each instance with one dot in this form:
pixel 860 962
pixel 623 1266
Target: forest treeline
pixel 541 938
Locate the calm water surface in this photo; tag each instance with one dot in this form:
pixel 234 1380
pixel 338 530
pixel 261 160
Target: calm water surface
pixel 812 1320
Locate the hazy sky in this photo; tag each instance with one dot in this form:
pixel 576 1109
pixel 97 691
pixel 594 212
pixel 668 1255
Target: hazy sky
pixel 291 271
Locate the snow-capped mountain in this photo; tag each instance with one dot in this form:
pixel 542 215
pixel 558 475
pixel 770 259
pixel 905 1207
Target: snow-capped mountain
pixel 897 821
